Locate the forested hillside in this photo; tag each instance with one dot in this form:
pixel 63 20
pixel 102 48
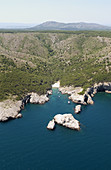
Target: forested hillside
pixel 32 61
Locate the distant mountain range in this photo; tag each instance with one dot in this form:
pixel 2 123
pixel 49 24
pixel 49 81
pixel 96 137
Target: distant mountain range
pixel 15 25
pixel 52 25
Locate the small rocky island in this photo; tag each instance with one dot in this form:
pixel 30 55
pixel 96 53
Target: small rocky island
pixel 66 120
pixel 77 109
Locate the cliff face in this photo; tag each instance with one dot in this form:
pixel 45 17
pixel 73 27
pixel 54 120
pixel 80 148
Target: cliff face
pixel 10 109
pixel 99 87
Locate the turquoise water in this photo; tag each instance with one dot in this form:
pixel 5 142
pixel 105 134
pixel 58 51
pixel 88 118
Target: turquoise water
pixel 27 144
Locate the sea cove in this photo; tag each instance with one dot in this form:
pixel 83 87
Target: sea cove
pixel 27 144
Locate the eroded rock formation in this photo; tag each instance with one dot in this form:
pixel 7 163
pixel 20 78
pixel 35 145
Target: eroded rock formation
pixel 77 109
pixel 66 120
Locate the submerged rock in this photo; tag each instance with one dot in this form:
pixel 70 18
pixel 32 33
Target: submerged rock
pixel 51 125
pixel 77 109
pixel 67 120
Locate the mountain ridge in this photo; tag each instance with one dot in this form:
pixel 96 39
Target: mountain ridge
pixel 79 26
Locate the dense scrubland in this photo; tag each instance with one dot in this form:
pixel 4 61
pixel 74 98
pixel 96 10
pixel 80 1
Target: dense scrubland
pixel 32 61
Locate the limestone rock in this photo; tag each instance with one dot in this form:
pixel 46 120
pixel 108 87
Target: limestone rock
pixel 51 125
pixel 77 98
pixel 70 90
pixel 49 92
pixel 90 101
pixel 43 99
pixel 35 98
pixel 67 120
pixel 9 109
pixel 77 109
pixel 108 91
pixel 19 115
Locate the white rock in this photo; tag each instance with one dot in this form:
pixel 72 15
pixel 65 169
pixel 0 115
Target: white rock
pixel 51 125
pixel 9 109
pixel 77 109
pixel 49 92
pixel 34 98
pixel 108 91
pixel 67 120
pixel 70 90
pixel 77 98
pixel 90 101
pixel 56 85
pixel 19 115
pixel 43 99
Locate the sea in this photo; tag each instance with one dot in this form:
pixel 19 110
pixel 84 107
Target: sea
pixel 26 143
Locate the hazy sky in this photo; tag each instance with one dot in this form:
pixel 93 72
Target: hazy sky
pixel 38 11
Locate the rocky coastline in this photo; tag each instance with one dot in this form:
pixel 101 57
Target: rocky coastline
pixel 87 97
pixel 75 96
pixel 10 109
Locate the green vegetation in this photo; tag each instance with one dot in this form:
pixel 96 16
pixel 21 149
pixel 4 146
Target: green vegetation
pixel 32 61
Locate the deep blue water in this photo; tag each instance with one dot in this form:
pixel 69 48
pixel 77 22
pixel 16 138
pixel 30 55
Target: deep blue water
pixel 27 144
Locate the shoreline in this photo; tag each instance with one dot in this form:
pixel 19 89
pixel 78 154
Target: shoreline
pixel 10 109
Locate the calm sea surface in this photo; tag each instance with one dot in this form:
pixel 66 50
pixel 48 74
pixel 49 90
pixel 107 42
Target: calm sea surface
pixel 26 144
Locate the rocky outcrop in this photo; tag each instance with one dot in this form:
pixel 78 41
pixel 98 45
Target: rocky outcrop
pixel 90 92
pixel 67 120
pixel 108 91
pixel 77 98
pixel 19 116
pixel 51 125
pixel 10 109
pixel 100 87
pixel 70 90
pixel 88 99
pixel 77 109
pixel 49 92
pixel 43 99
pixel 35 98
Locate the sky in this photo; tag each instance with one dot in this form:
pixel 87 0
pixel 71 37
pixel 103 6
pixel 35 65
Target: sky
pixel 68 11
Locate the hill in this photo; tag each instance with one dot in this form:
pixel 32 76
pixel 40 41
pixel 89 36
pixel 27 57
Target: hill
pixel 52 25
pixel 33 61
